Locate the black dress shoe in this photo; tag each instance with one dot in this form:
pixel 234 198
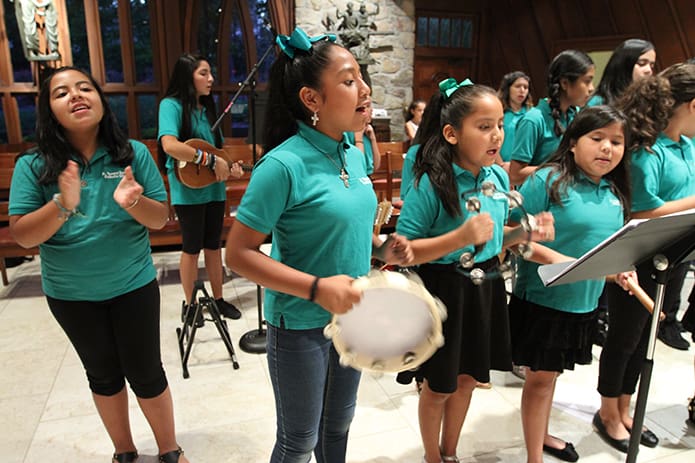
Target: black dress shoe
pixel 566 454
pixel 618 444
pixel 670 335
pixel 648 438
pixel 125 457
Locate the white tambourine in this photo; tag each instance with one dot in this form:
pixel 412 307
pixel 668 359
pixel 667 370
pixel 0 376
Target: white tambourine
pixel 396 326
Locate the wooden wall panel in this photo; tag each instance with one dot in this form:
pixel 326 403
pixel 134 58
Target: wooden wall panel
pixel 523 34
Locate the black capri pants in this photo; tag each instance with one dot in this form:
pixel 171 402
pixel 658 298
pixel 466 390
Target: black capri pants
pixel 629 322
pixel 117 339
pixel 201 225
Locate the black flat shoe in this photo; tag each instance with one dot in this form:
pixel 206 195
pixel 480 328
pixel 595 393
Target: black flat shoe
pixel 566 454
pixel 171 457
pixel 618 444
pixel 125 457
pixel 648 438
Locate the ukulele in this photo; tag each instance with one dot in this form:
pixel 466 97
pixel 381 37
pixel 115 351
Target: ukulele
pixel 196 176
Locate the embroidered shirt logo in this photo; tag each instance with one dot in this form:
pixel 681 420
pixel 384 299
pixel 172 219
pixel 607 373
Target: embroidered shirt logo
pixel 113 175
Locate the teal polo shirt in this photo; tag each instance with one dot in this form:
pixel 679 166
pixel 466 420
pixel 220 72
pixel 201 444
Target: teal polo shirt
pixel 104 252
pixel 368 155
pixel 596 100
pixel 535 138
pixel 170 117
pixel 423 214
pixel 511 120
pixel 664 175
pixel 407 175
pixel 318 226
pixel 589 214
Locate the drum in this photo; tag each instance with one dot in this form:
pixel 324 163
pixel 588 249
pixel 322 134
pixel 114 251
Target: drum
pixel 396 326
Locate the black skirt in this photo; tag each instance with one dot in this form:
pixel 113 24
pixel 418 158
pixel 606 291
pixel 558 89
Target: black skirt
pixel 476 331
pixel 548 339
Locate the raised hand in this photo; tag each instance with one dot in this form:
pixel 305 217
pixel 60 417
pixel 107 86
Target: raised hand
pixel 545 227
pixel 69 186
pixel 128 191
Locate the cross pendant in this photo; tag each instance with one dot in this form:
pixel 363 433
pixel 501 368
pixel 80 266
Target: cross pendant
pixel 345 177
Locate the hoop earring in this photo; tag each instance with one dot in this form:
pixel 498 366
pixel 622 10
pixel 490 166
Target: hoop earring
pixel 315 118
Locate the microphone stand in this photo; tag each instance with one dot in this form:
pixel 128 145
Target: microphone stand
pixel 253 341
pixel 248 82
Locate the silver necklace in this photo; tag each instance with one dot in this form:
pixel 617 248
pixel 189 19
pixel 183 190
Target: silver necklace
pixel 344 176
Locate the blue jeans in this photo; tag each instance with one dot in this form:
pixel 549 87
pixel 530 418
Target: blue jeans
pixel 315 397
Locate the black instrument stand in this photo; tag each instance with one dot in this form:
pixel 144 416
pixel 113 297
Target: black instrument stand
pixel 666 241
pixel 186 334
pixel 254 341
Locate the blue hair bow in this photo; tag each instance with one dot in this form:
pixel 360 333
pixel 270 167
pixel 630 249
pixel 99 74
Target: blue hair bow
pixel 448 86
pixel 299 41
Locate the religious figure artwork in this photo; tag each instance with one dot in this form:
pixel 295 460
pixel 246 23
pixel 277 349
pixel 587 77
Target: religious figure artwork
pixel 38 29
pixel 353 29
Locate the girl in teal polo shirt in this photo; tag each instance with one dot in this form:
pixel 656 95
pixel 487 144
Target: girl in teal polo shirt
pixel 459 159
pixel 86 197
pixel 311 190
pixel 585 186
pixel 661 111
pixel 631 60
pixel 188 111
pixel 516 101
pixel 538 133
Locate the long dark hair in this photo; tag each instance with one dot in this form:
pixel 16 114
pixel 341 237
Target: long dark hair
pixel 588 120
pixel 54 148
pixel 287 77
pixel 570 65
pixel 618 72
pixel 505 85
pixel 182 88
pixel 437 155
pixel 650 103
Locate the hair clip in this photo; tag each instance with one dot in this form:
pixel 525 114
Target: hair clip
pixel 299 40
pixel 448 86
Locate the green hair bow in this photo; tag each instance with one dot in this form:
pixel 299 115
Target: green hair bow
pixel 299 41
pixel 448 86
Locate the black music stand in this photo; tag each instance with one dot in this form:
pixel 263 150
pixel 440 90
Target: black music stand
pixel 186 334
pixel 254 341
pixel 666 241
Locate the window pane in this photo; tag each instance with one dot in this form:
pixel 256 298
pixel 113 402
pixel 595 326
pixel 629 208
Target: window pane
pixel 3 128
pixel 237 49
pixel 264 38
pixel 21 67
pixel 422 32
pixel 111 40
pixel 240 117
pixel 147 112
pixel 118 106
pixel 78 34
pixel 433 32
pixel 467 34
pixel 27 116
pixel 208 31
pixel 444 32
pixel 142 41
pixel 456 33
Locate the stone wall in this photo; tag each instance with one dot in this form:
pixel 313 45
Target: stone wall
pixel 392 74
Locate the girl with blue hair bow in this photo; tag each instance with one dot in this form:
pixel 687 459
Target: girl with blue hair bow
pixel 311 190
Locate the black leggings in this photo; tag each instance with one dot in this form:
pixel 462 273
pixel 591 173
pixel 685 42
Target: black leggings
pixel 626 344
pixel 201 226
pixel 116 339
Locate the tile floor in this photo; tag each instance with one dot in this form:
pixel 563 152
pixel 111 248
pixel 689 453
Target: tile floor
pixel 227 415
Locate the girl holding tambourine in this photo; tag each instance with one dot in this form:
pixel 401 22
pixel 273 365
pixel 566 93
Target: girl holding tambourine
pixel 458 159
